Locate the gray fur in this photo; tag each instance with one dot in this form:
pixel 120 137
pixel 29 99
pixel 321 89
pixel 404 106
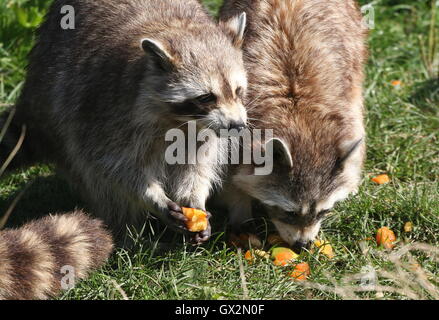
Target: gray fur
pixel 98 103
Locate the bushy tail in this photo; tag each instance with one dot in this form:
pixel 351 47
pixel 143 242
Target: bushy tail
pixel 45 256
pixel 13 151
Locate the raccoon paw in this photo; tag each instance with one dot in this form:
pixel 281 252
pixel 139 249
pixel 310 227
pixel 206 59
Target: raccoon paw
pixel 176 217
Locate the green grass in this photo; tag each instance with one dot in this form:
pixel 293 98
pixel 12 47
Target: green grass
pixel 403 132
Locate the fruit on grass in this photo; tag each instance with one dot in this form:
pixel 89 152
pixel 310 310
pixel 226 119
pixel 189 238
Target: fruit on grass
pixel 301 271
pixel 385 237
pixel 381 179
pixel 197 219
pixel 283 256
pixel 325 248
pixel 249 256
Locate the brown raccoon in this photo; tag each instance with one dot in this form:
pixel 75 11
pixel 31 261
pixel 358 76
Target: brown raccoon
pixel 32 257
pixel 99 99
pixel 305 71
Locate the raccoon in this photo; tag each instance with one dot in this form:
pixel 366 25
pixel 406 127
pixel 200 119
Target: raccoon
pixel 35 258
pixel 305 71
pixel 100 97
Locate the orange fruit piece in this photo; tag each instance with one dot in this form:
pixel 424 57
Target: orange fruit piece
pixel 385 237
pixel 249 256
pixel 197 219
pixel 381 179
pixel 325 248
pixel 396 83
pixel 301 271
pixel 283 256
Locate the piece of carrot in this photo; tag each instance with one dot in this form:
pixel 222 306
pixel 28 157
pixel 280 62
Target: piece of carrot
pixel 385 237
pixel 197 219
pixel 381 179
pixel 301 271
pixel 283 256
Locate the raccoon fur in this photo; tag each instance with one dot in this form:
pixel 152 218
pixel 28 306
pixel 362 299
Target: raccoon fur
pixel 305 64
pixel 99 99
pixel 33 257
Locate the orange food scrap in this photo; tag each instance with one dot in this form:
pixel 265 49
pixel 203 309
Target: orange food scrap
pixel 249 256
pixel 197 219
pixel 325 248
pixel 283 256
pixel 396 83
pixel 381 179
pixel 385 237
pixel 408 227
pixel 301 271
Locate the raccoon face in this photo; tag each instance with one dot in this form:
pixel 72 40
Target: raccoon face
pixel 200 76
pixel 303 187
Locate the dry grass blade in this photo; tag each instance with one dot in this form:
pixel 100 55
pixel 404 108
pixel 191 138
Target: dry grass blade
pixel 11 208
pixel 7 124
pixel 406 276
pixel 14 151
pixel 119 289
pixel 242 275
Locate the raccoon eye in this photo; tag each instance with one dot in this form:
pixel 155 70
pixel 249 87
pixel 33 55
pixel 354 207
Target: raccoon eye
pixel 206 99
pixel 290 217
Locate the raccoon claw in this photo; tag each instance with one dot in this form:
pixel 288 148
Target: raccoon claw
pixel 177 218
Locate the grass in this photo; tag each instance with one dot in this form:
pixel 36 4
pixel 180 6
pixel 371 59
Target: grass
pixel 403 129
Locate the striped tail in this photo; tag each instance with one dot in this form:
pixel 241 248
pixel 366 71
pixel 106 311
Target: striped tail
pixel 44 256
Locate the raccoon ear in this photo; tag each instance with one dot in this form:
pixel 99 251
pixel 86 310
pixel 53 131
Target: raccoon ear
pixel 235 28
pixel 156 51
pixel 281 152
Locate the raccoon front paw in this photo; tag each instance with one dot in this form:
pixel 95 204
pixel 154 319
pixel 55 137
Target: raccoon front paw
pixel 176 218
pixel 203 236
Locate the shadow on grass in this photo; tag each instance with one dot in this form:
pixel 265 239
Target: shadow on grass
pixel 426 96
pixel 52 194
pixel 45 195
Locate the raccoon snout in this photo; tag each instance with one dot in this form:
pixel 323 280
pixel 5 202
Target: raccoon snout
pixel 298 246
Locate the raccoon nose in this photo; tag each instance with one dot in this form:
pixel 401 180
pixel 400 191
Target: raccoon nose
pixel 237 125
pixel 298 246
